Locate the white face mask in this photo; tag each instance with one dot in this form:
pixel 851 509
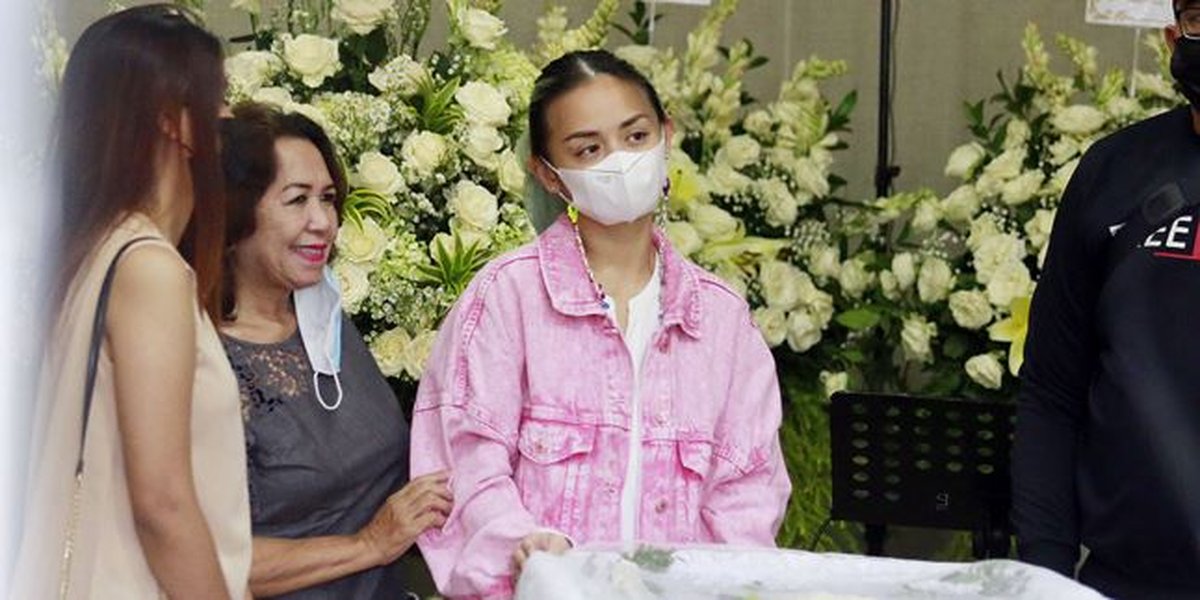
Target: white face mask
pixel 319 316
pixel 623 187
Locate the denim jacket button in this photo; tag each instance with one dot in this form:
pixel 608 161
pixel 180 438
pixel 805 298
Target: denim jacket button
pixel 661 506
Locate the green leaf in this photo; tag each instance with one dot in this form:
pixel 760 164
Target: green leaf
pixel 859 319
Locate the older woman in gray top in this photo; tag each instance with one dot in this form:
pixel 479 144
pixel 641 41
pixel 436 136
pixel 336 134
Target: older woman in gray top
pixel 327 445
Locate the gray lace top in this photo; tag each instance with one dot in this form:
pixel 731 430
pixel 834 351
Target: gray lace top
pixel 314 472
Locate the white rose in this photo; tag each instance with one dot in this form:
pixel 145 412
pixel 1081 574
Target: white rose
pixel 964 160
pixel 416 354
pixel 995 252
pixel 353 279
pixel 820 306
pixel 1006 166
pixel 935 281
pixel 511 173
pixel 1062 177
pixel 1063 150
pixel 724 180
pixel 834 382
pixel 803 331
pixel 781 284
pixel 362 16
pixel 854 278
pixel 1038 228
pixel 971 309
pixel 985 370
pixel 759 123
pixel 889 285
pixel 482 29
pixel 825 261
pixel 389 348
pixel 248 71
pixel 739 152
pixel 378 173
pixel 365 244
pixel 1022 189
pixel 423 152
pixel 483 104
pixel 810 177
pixel 773 324
pixel 1079 119
pixel 1008 283
pixel 916 338
pixel 1016 133
pixel 482 144
pixel 925 217
pixel 904 267
pixel 961 205
pixel 684 237
pixel 311 57
pixel 713 223
pixel 474 205
pixel 981 230
pixel 275 96
pixel 782 208
pixel 1122 107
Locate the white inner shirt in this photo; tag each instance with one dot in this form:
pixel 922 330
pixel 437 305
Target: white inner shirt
pixel 643 322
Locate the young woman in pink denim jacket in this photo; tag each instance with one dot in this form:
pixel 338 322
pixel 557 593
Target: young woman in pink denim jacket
pixel 595 386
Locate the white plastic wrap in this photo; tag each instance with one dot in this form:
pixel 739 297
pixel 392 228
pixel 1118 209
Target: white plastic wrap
pixel 723 573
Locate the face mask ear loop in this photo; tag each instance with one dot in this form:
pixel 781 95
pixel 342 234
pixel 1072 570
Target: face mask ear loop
pixel 337 382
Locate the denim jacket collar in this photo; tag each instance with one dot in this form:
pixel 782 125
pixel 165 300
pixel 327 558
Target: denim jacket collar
pixel 570 289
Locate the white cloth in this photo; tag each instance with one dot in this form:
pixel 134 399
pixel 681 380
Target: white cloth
pixel 712 572
pixel 643 322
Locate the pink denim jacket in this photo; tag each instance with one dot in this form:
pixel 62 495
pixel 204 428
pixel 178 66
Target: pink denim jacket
pixel 526 400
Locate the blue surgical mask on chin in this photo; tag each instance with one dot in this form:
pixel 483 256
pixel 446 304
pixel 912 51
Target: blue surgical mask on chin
pixel 319 316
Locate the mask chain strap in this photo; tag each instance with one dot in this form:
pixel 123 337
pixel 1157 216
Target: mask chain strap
pixel 600 295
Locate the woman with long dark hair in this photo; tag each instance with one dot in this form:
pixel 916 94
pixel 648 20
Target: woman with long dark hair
pixel 595 386
pixel 138 482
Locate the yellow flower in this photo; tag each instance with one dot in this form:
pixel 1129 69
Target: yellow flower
pixel 1013 330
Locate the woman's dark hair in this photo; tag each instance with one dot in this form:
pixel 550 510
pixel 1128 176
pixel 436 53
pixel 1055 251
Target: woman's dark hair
pixel 250 164
pixel 128 73
pixel 568 72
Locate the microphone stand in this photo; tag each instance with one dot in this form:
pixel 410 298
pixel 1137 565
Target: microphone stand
pixel 885 171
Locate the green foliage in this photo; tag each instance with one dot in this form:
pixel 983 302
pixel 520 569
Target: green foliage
pixel 453 268
pixel 639 31
pixel 805 440
pixel 362 203
pixel 436 109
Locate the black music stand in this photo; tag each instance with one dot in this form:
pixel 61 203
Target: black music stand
pixel 923 462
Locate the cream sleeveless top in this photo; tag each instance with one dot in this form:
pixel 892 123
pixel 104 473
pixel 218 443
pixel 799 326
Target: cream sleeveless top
pixel 108 561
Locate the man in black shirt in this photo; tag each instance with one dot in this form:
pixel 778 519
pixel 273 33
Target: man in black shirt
pixel 1107 449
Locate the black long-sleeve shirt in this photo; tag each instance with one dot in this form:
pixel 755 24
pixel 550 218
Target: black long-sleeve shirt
pixel 1107 448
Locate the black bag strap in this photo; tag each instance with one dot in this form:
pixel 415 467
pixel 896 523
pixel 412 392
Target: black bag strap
pixel 1153 212
pixel 97 337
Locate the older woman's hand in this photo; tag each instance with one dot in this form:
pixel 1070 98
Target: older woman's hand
pixel 423 503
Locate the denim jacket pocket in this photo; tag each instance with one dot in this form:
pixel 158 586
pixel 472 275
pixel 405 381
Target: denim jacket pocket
pixel 549 442
pixel 552 471
pixel 696 458
pixel 695 462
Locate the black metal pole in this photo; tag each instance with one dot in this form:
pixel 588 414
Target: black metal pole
pixel 885 172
